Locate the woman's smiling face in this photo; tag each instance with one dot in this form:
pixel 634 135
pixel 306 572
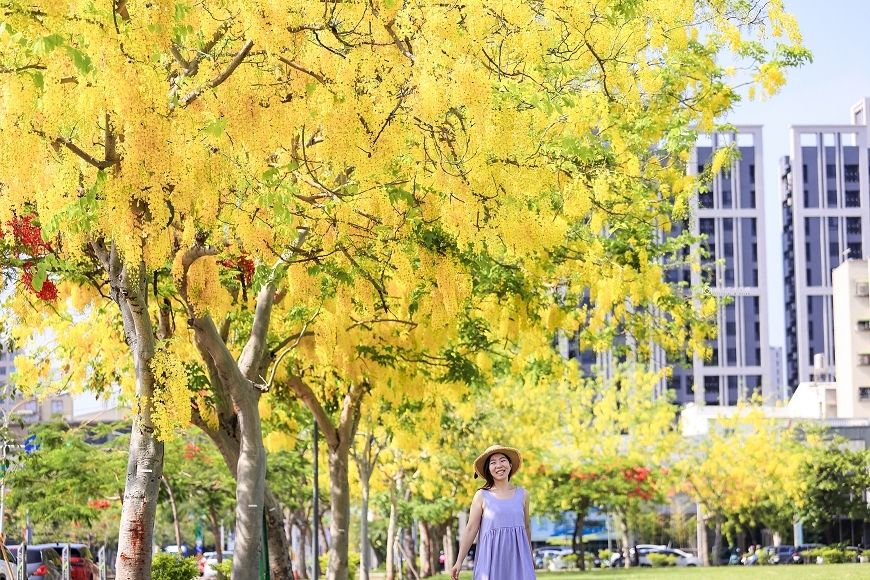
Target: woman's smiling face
pixel 499 466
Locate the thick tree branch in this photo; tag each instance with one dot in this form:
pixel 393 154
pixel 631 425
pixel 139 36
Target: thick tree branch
pixel 256 345
pixel 90 159
pixel 215 82
pixel 307 396
pixel 295 65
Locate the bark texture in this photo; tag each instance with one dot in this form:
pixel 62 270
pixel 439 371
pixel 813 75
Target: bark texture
pixel 128 289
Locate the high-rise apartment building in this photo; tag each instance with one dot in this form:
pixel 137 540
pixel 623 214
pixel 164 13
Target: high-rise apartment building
pixel 851 310
pixel 825 220
pixel 730 216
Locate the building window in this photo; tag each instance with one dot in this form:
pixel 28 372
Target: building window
pixel 711 385
pixel 864 393
pixel 810 329
pixel 855 250
pixel 2 371
pixel 707 226
pixel 851 173
pixel 57 407
pixel 752 176
pixel 862 288
pixel 853 225
pixel 690 386
pixel 732 356
pixel 30 413
pixel 863 325
pixel 831 171
pixel 752 198
pixel 833 249
pixel 864 359
pixel 731 329
pixel 806 177
pixel 853 199
pixel 832 198
pixel 809 276
pixel 726 198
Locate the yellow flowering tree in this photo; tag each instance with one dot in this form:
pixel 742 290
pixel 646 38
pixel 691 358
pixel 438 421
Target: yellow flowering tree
pixel 731 474
pixel 383 188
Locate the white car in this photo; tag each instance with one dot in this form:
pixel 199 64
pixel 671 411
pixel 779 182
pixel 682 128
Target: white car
pixel 209 559
pixel 683 558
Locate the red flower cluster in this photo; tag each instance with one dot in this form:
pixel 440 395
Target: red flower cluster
pixel 638 474
pixel 99 504
pixel 48 292
pixel 28 236
pixel 29 242
pixel 244 265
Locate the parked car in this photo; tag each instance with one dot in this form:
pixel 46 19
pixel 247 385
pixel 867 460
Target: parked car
pixel 43 562
pixel 780 554
pixel 81 562
pixel 542 556
pixel 208 561
pixel 683 558
pixel 797 556
pixel 617 559
pixel 8 564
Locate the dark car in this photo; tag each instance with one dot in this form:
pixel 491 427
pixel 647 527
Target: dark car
pixel 81 562
pixel 43 562
pixel 797 556
pixel 780 554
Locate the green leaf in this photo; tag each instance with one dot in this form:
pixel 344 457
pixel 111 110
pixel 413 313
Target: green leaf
pixel 40 276
pixel 216 128
pixel 80 60
pixel 38 79
pixel 44 45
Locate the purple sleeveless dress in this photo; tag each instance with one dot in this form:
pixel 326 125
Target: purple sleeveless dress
pixel 503 551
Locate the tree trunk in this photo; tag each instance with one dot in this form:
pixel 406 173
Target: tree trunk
pixel 410 554
pixel 340 511
pixel 391 534
pixel 435 534
pixel 280 565
pixel 626 540
pixel 250 492
pixel 216 531
pixel 174 514
pixel 449 542
pixel 303 543
pixel 717 540
pixel 128 289
pixel 578 531
pixel 364 549
pixel 425 547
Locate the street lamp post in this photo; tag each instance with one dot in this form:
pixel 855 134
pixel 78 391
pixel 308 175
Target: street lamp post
pixel 315 512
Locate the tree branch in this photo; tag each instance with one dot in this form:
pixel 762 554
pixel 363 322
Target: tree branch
pixel 215 82
pixel 294 65
pixel 90 159
pixel 307 396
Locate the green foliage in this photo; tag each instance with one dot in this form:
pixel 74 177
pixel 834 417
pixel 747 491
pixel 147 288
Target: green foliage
pixel 835 478
pixel 169 567
pixel 661 560
pixel 353 560
pixel 764 557
pixel 224 569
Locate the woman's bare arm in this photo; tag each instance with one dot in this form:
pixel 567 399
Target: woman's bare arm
pixel 471 528
pixel 528 517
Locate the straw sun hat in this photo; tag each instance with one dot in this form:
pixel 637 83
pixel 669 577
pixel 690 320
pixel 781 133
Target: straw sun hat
pixel 512 454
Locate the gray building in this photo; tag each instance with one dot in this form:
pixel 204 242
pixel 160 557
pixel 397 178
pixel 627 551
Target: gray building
pixel 730 216
pixel 825 219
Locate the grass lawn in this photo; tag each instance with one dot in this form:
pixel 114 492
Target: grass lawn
pixel 808 572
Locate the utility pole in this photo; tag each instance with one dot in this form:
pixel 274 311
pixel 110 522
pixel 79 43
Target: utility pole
pixel 316 512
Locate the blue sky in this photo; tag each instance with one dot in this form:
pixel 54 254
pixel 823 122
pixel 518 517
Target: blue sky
pixel 838 34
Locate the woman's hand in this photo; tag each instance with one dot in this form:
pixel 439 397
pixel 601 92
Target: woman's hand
pixel 454 573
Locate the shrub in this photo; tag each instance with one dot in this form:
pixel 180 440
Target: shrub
pixel 763 556
pixel 224 569
pixel 570 560
pixel 353 560
pixel 661 560
pixel 171 567
pixel 605 555
pixel 835 556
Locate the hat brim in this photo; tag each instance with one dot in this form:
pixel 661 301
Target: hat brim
pixel 511 453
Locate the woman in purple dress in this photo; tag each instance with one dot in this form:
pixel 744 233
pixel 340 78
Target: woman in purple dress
pixel 500 512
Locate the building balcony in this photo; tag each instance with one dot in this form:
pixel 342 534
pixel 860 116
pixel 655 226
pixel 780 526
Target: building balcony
pixel 862 288
pixel 864 359
pixel 862 325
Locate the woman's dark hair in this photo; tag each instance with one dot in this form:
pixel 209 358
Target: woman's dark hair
pixel 490 481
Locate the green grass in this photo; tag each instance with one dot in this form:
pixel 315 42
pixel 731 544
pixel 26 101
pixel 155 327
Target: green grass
pixel 808 572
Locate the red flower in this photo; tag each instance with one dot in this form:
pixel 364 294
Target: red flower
pixel 48 292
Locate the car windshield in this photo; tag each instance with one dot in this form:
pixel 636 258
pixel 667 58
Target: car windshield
pixel 34 557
